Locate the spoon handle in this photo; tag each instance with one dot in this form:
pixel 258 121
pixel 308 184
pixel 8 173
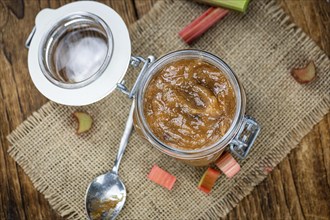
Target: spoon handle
pixel 124 138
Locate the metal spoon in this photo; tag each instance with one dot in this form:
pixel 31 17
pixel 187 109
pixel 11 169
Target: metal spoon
pixel 106 194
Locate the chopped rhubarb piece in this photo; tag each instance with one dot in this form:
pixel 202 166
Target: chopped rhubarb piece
pixel 84 120
pixel 306 74
pixel 208 179
pixel 267 170
pixel 161 177
pixel 228 165
pixel 202 24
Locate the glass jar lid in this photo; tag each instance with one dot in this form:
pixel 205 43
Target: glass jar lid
pixel 79 52
pixel 76 51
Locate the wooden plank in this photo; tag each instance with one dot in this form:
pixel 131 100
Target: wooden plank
pixel 313 17
pixel 143 6
pixel 126 9
pixel 20 99
pixel 298 188
pixel 310 172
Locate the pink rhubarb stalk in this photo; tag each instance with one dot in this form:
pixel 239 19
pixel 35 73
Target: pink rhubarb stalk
pixel 200 25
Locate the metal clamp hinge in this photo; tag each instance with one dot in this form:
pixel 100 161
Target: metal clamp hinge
pixel 245 138
pixel 28 41
pixel 135 62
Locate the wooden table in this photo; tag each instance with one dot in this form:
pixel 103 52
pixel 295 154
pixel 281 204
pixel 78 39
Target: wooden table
pixel 298 188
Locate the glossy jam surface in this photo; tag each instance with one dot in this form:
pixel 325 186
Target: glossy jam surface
pixel 189 104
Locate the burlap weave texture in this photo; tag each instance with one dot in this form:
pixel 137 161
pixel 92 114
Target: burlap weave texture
pixel 261 46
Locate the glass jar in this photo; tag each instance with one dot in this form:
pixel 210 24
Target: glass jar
pixel 241 124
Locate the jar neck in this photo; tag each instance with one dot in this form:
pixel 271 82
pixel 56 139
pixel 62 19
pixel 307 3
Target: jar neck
pixel 237 120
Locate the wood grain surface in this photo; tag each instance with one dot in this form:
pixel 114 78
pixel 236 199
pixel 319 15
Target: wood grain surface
pixel 298 188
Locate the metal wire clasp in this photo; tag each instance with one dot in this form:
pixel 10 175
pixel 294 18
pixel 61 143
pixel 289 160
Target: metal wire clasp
pixel 245 137
pixel 28 41
pixel 135 62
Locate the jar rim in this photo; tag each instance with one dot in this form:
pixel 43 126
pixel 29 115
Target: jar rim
pixel 50 37
pixel 239 94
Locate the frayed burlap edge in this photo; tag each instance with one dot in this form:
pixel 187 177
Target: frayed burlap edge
pixel 238 191
pixel 38 181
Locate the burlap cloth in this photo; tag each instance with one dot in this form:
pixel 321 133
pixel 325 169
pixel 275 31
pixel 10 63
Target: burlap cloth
pixel 261 46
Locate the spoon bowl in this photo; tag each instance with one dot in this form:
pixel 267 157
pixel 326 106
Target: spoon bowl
pixel 106 194
pixel 105 197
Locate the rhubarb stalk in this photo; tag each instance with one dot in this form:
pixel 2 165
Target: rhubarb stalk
pixel 202 24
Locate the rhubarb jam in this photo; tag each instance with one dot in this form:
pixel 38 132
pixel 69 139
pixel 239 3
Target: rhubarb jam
pixel 189 104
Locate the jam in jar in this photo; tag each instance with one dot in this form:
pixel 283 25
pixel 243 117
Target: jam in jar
pixel 190 106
